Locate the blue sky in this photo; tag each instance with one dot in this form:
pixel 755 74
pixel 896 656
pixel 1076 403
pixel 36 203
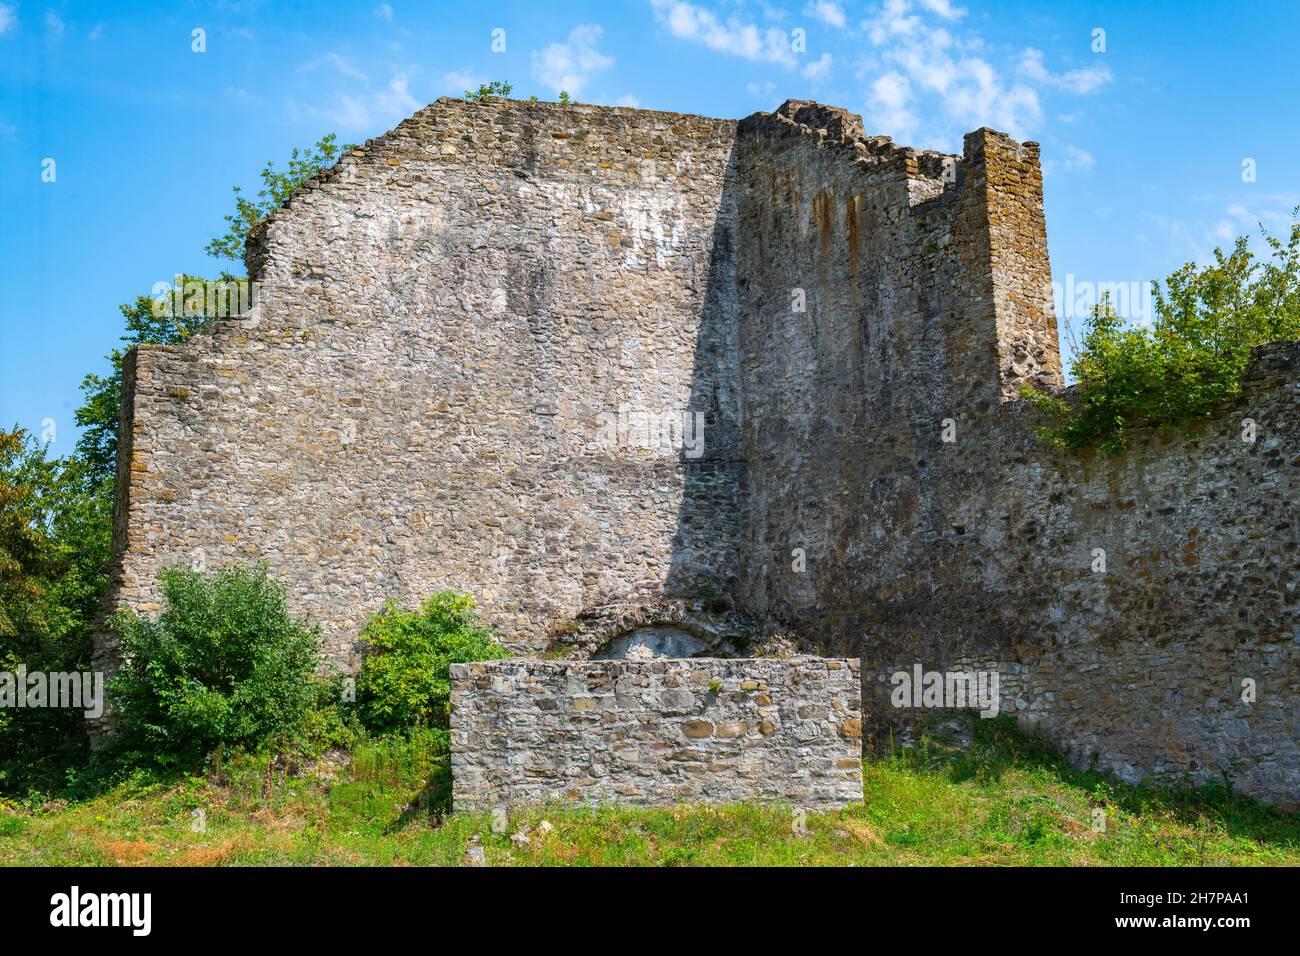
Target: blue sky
pixel 1143 142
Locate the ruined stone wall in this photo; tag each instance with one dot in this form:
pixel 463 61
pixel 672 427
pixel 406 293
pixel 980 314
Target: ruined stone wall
pixel 656 732
pixel 1140 669
pixel 457 328
pixel 1124 600
pixel 464 328
pixel 870 534
pixel 891 251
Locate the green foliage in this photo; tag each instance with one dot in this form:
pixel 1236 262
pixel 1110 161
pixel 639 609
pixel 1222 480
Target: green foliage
pixel 404 679
pixel 565 98
pixel 1188 362
pixel 54 548
pixel 277 187
pixel 329 722
pixel 21 537
pixel 224 663
pixel 495 88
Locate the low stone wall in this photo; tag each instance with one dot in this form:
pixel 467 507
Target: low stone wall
pixel 656 732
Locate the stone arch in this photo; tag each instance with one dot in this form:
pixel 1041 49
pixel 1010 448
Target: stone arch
pixel 672 629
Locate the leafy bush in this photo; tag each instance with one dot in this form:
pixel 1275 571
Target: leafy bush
pixel 404 679
pixel 224 663
pixel 495 88
pixel 1189 361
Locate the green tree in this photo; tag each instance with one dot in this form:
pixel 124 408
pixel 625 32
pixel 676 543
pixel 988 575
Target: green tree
pixel 54 552
pixel 277 187
pixel 1185 365
pixel 23 538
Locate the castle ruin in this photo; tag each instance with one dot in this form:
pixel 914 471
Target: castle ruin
pixel 613 369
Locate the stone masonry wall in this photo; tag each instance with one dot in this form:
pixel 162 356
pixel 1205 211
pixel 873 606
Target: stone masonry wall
pixel 656 732
pixel 871 535
pixel 456 329
pixel 463 328
pixel 1124 600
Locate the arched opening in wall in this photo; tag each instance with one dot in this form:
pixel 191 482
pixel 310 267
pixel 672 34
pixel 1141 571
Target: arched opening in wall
pixel 661 629
pixel 656 640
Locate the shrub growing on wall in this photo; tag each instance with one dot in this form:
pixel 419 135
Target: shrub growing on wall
pixel 223 663
pixel 1188 362
pixel 405 676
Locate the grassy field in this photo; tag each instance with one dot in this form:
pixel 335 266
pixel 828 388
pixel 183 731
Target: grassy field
pixel 1005 800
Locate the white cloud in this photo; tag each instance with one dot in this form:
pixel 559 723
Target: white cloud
pixel 53 25
pixel 819 69
pixel 944 8
pixel 568 66
pixel 980 98
pixel 366 112
pixel 893 21
pixel 1238 220
pixel 1075 158
pixel 1273 218
pixel 1078 158
pixel 338 62
pixel 458 82
pixel 628 100
pixel 888 102
pixel 736 37
pixel 384 12
pixel 1197 239
pixel 8 18
pixel 1082 81
pixel 922 60
pixel 828 12
pixel 763 89
pixel 951 82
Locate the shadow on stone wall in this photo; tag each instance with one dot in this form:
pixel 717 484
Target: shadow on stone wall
pixel 705 554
